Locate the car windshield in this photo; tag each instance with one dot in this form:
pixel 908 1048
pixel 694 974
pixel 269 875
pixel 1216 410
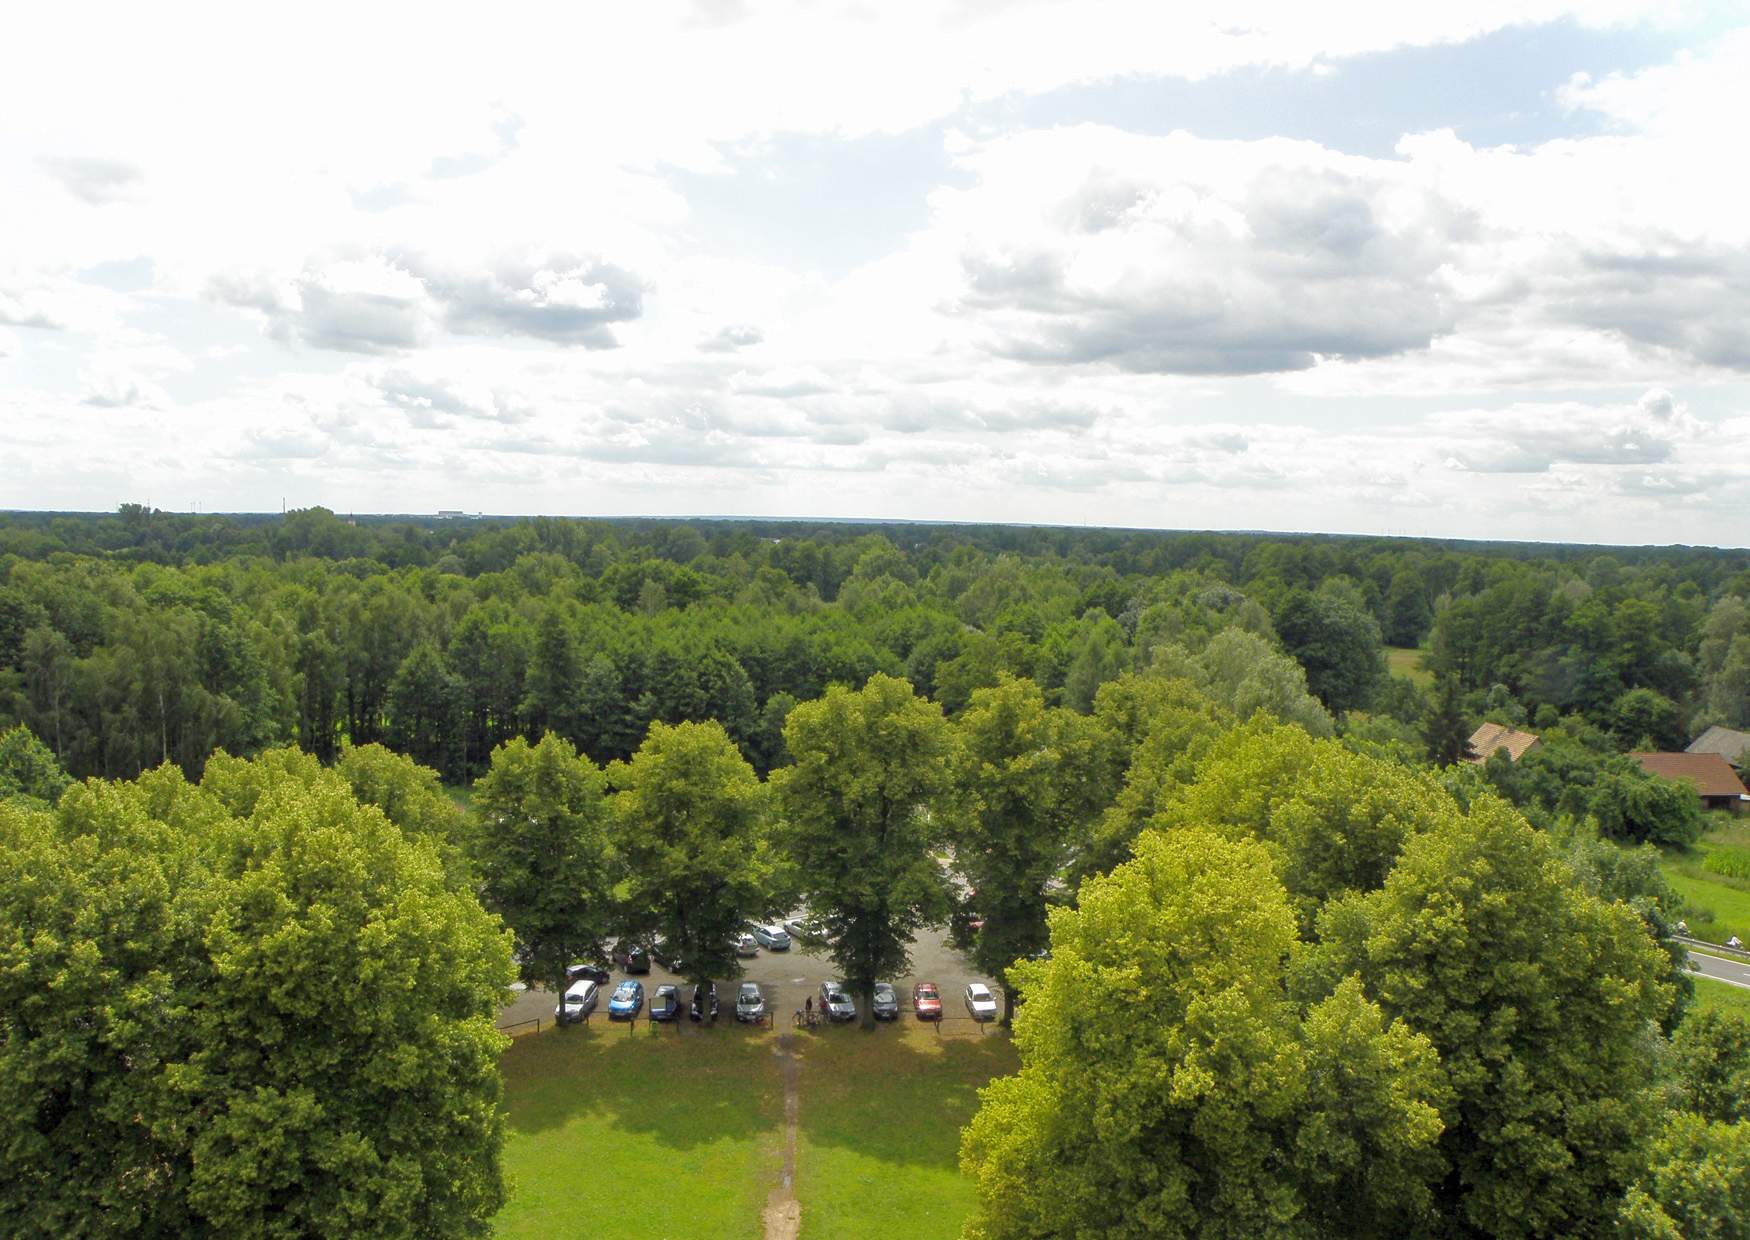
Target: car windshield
pixel 838 996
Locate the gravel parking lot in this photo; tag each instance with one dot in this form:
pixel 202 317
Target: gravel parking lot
pixel 786 978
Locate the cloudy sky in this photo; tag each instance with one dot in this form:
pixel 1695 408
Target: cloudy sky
pixel 1478 270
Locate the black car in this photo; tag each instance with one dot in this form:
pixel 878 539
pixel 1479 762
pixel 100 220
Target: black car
pixel 704 1002
pixel 665 1004
pixel 593 972
pixel 666 956
pixel 632 957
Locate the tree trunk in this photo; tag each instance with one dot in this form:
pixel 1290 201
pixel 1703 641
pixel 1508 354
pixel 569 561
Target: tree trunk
pixel 1008 1007
pixel 868 1015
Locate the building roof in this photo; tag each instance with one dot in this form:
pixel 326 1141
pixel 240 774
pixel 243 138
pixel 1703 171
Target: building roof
pixel 1728 744
pixel 1492 736
pixel 1711 774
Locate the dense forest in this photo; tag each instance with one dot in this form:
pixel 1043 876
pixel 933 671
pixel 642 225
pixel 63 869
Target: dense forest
pixel 132 639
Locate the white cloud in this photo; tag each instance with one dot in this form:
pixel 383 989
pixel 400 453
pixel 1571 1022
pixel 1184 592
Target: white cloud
pixel 95 182
pixel 1178 255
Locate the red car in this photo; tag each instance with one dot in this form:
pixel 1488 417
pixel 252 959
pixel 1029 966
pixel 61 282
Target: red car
pixel 927 1000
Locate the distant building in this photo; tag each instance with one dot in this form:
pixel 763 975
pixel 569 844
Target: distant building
pixel 1730 745
pixel 450 514
pixel 1713 778
pixel 1492 736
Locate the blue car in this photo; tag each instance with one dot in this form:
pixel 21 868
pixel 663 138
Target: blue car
pixel 627 1002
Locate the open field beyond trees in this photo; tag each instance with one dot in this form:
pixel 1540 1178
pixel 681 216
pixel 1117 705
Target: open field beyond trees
pixel 1721 996
pixel 683 1132
pixel 1718 903
pixel 1407 662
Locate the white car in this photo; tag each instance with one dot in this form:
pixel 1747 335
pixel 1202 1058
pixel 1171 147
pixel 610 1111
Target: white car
pixel 578 1002
pixel 981 1005
pixel 772 938
pixel 746 945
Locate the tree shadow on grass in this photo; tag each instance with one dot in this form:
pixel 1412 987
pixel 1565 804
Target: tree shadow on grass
pixel 900 1096
pixel 684 1087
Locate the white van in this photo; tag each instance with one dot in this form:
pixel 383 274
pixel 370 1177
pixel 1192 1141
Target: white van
pixel 578 1002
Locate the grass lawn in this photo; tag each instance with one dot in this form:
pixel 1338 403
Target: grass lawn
pixel 1711 995
pixel 682 1134
pixel 1402 661
pixel 878 1145
pixel 641 1135
pixel 1718 904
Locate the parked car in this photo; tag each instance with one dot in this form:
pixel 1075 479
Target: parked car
pixel 704 1002
pixel 772 937
pixel 594 972
pixel 666 957
pixel 750 1004
pixel 926 1000
pixel 627 1001
pixel 836 1003
pixel 805 930
pixel 632 957
pixel 665 1004
pixel 577 1002
pixel 886 1003
pixel 980 1003
pixel 746 946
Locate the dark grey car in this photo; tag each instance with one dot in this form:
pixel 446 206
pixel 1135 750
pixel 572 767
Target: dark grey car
pixel 886 1004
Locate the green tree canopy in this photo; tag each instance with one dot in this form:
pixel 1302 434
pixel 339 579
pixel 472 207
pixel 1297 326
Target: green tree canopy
pixel 543 854
pixel 1170 1088
pixel 1333 820
pixel 692 829
pixel 220 1021
pixel 1030 783
pixel 28 768
pixel 1540 998
pixel 864 810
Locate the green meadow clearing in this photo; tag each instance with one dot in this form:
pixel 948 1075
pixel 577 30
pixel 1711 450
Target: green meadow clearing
pixel 1717 905
pixel 682 1132
pixel 1404 661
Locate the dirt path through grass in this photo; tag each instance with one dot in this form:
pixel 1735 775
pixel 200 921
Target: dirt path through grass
pixel 783 1215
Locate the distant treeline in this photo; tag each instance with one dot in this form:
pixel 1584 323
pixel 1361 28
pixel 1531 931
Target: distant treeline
pixel 133 638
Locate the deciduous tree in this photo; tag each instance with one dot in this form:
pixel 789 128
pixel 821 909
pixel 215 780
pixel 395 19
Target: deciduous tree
pixel 863 810
pixel 542 852
pixel 1029 784
pixel 1170 1088
pixel 1539 997
pixel 215 1021
pixel 690 818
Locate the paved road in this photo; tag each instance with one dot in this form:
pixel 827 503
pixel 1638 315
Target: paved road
pixel 1730 971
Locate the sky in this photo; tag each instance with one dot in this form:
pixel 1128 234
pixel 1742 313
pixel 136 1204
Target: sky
pixel 1475 270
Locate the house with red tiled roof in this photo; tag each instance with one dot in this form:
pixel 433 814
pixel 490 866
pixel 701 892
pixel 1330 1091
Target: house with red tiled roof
pixel 1492 736
pixel 1715 782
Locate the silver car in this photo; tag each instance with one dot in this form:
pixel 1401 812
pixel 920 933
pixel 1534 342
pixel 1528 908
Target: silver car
pixel 772 938
pixel 750 1004
pixel 836 1003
